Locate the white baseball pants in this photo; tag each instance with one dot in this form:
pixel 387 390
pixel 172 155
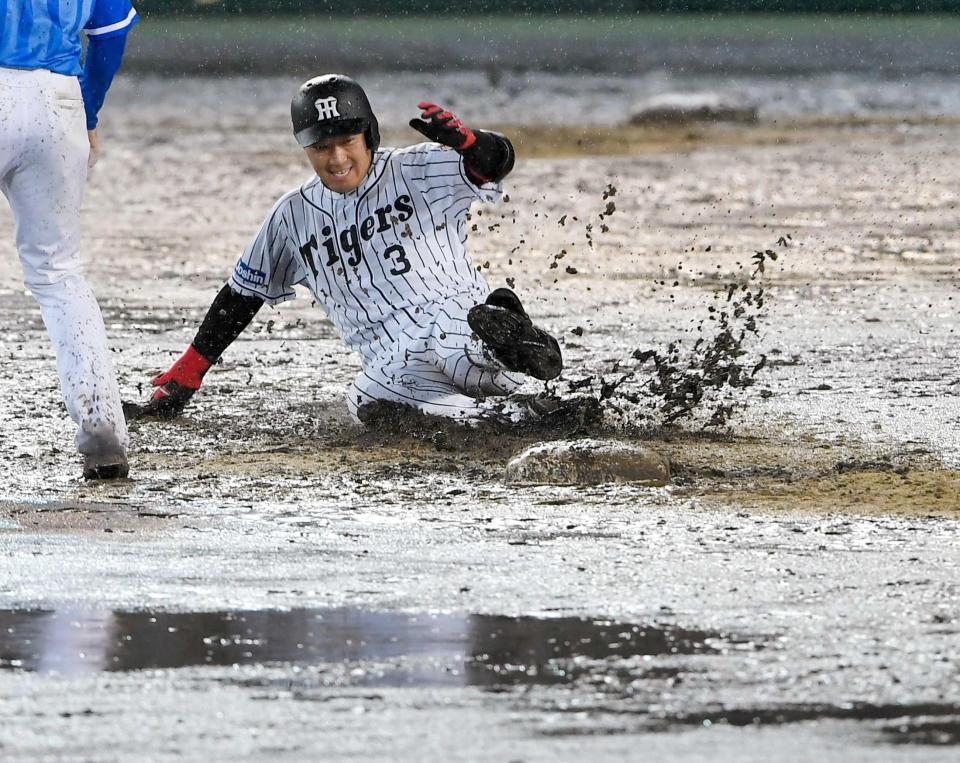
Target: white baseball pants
pixel 43 169
pixel 443 370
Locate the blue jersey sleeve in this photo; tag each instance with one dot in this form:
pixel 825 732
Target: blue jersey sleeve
pixel 102 62
pixel 110 18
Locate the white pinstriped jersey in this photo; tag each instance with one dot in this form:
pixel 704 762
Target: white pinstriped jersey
pixel 378 257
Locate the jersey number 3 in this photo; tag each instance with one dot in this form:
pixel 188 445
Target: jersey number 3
pixel 396 252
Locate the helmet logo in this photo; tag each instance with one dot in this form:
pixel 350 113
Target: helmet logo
pixel 326 108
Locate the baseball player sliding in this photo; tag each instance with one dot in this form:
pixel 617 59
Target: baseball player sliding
pixel 378 237
pixel 48 121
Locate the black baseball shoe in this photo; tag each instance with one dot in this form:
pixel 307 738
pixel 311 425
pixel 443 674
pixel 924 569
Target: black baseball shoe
pixel 503 325
pixel 105 467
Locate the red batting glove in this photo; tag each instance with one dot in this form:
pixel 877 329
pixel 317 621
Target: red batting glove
pixel 443 127
pixel 187 372
pixel 174 388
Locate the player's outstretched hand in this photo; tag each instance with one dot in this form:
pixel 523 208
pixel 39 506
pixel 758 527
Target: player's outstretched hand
pixel 167 402
pixel 174 388
pixel 442 127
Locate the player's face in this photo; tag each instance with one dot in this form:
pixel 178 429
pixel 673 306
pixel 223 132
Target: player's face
pixel 341 162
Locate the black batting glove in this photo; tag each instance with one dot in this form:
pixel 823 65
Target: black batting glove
pixel 442 127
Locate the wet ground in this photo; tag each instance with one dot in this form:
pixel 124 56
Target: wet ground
pixel 275 582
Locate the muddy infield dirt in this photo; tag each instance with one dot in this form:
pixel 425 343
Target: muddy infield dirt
pixel 801 570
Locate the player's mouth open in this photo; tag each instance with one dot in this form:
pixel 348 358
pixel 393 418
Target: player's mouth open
pixel 340 173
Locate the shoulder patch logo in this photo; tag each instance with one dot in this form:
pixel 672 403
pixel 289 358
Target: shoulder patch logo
pixel 249 275
pixel 326 108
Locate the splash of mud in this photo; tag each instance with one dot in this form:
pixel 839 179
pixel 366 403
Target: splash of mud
pixel 709 376
pixel 702 377
pixel 549 417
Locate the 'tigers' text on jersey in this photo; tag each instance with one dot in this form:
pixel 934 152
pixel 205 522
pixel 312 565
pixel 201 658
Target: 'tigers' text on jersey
pixel 350 238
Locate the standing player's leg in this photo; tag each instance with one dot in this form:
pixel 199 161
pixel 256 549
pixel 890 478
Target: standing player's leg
pixel 44 186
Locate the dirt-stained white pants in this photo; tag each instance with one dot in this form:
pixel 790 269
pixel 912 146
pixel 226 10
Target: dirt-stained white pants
pixel 441 369
pixel 43 169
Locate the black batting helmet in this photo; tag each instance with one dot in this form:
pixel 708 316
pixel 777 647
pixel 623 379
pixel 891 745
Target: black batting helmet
pixel 332 104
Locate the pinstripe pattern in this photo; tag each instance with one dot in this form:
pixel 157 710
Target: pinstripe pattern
pixel 388 263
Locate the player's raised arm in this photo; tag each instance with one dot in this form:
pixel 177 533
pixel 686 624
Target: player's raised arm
pixel 226 319
pixel 487 156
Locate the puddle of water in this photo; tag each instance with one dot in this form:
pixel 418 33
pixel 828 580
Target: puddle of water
pixel 939 732
pixel 366 648
pixel 478 650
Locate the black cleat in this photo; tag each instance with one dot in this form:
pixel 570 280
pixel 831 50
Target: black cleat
pixel 503 325
pixel 100 468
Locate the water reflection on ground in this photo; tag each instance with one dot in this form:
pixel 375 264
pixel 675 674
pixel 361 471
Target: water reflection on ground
pixel 484 649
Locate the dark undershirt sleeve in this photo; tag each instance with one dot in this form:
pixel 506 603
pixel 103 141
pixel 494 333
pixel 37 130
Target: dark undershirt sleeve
pixel 490 159
pixel 227 317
